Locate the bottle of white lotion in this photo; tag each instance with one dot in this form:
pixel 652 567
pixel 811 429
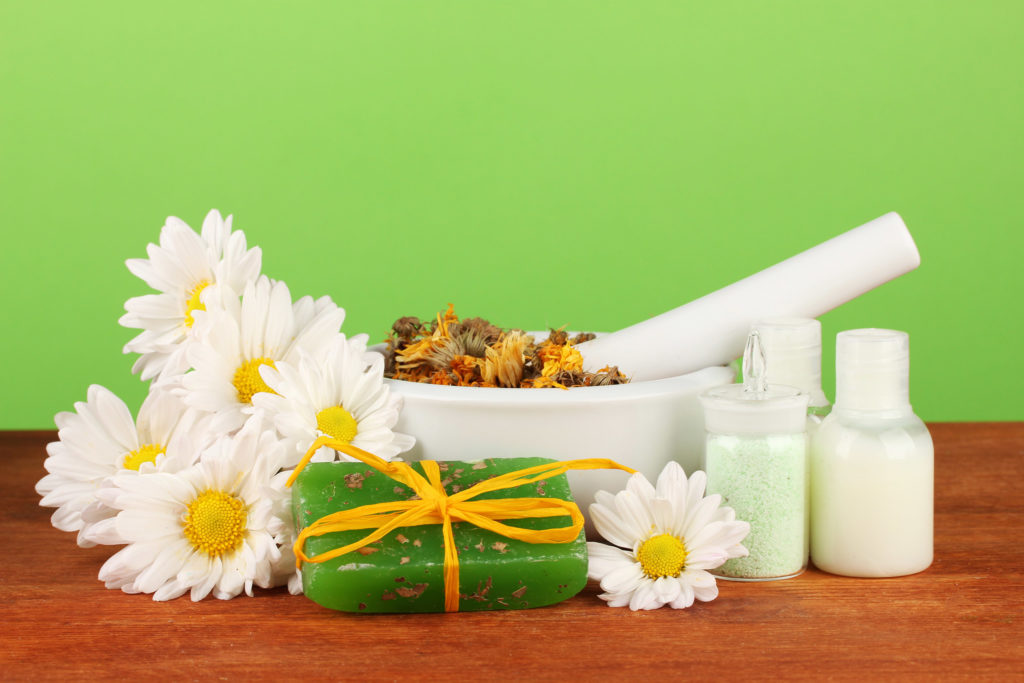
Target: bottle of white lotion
pixel 872 465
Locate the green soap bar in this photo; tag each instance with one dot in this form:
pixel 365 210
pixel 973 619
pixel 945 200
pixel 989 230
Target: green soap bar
pixel 403 572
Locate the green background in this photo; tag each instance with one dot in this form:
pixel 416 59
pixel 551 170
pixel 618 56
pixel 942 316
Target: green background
pixel 538 163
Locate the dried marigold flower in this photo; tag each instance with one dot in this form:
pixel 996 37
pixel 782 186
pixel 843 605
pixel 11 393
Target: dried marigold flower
pixel 466 368
pixel 490 333
pixel 465 343
pixel 473 352
pixel 407 327
pixel 441 323
pixel 558 359
pixel 504 362
pixel 473 344
pixel 558 337
pixel 416 354
pixel 607 376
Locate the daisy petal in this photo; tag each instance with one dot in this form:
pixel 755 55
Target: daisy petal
pixel 644 597
pixel 685 598
pixel 623 578
pixel 604 559
pixel 666 589
pixel 611 527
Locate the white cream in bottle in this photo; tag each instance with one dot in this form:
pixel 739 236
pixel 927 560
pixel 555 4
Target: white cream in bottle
pixel 872 465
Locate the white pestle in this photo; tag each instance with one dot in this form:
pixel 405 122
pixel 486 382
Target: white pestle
pixel 712 330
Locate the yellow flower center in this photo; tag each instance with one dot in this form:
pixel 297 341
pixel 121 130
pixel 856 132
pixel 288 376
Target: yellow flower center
pixel 193 303
pixel 337 422
pixel 663 555
pixel 146 453
pixel 215 523
pixel 247 379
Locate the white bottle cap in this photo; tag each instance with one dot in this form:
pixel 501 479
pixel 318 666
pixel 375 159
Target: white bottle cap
pixel 872 370
pixel 793 350
pixel 733 409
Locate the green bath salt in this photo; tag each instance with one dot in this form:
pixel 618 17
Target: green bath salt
pixel 764 479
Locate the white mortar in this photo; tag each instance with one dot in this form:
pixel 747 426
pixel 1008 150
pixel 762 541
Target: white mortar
pixel 642 425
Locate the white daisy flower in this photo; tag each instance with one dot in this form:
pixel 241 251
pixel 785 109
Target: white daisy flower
pixel 182 269
pixel 340 394
pixel 233 341
pixel 101 439
pixel 675 534
pixel 206 529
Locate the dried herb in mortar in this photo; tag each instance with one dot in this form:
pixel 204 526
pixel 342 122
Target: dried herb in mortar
pixel 474 353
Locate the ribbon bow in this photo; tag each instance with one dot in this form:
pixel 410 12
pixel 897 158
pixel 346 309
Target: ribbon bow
pixel 435 506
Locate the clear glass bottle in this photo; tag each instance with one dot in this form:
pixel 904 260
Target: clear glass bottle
pixel 756 458
pixel 793 346
pixel 872 465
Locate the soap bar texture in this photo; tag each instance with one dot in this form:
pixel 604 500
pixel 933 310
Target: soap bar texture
pixel 404 571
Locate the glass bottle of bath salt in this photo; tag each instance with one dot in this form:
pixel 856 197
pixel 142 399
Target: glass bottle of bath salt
pixel 872 465
pixel 755 457
pixel 793 347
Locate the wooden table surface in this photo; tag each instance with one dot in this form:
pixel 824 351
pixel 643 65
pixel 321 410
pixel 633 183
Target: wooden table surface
pixel 962 618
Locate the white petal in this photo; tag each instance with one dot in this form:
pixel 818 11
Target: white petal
pixel 232 579
pixel 644 597
pixel 640 487
pixel 686 595
pixel 607 500
pixel 671 481
pixel 196 568
pixel 706 592
pixel 115 417
pixel 699 516
pixel 666 589
pixel 624 578
pixel 201 590
pixel 611 527
pixel 164 566
pixel 635 515
pixel 104 532
pixel 695 488
pixel 662 514
pixel 170 590
pixel 604 559
pixel 130 560
pixel 707 558
pixel 137 525
pixel 616 599
pixel 145 271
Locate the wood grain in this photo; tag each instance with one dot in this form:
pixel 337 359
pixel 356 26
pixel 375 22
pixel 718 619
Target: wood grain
pixel 959 619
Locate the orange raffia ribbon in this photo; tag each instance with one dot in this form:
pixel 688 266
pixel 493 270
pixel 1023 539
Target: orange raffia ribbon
pixel 437 507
